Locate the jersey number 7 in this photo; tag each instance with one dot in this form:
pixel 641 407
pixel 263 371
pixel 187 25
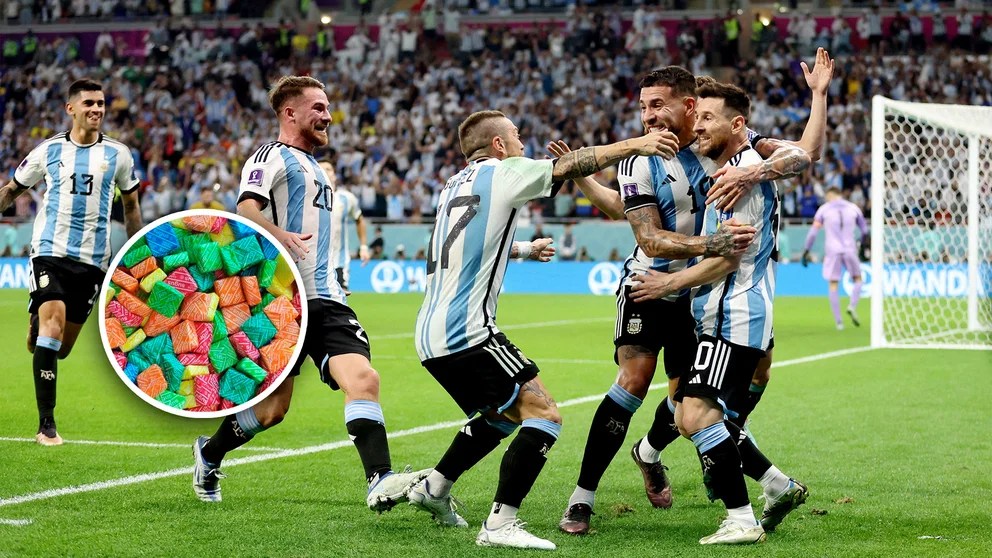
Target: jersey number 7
pixel 471 205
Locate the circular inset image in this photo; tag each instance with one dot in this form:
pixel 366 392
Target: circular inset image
pixel 201 313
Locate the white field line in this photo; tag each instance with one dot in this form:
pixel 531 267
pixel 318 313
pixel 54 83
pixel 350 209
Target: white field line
pixel 135 479
pixel 16 522
pixel 135 444
pixel 510 327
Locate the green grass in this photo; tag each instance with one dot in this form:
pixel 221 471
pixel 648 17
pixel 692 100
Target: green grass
pixel 902 434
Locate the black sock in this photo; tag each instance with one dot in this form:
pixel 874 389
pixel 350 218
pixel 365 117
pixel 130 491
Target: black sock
pixel 45 371
pixel 370 441
pixel 230 435
pixel 755 464
pixel 663 430
pixel 747 404
pixel 606 436
pixel 522 463
pixel 722 462
pixel 472 443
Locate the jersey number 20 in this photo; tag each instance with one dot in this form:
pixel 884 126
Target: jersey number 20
pixel 471 205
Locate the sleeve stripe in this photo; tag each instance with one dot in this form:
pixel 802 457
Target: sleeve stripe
pixel 18 185
pixel 639 201
pixel 254 196
pixel 263 153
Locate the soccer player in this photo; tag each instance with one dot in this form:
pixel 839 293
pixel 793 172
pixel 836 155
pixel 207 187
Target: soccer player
pixel 70 247
pixel 346 209
pixel 284 190
pixel 840 218
pixel 674 189
pixel 456 336
pixel 733 313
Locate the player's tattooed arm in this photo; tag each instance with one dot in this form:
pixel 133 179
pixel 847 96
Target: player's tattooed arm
pixel 732 238
pixel 731 183
pixel 132 213
pixel 654 285
pixel 588 160
pixel 606 199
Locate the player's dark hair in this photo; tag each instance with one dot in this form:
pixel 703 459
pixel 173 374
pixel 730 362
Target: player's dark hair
pixel 81 85
pixel 477 131
pixel 290 87
pixel 834 190
pixel 704 80
pixel 681 81
pixel 734 98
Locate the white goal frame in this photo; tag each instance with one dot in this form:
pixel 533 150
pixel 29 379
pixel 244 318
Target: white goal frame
pixel 976 124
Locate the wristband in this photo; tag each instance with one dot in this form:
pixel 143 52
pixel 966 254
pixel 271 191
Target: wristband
pixel 523 250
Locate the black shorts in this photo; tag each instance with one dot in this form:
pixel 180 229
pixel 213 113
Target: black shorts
pixel 332 330
pixel 487 376
pixel 74 283
pixel 722 372
pixel 657 325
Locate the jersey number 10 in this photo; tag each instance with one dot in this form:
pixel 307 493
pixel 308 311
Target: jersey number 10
pixel 471 205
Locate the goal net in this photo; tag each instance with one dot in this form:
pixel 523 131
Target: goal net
pixel 931 225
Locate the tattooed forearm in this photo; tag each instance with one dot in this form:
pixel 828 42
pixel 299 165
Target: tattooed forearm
pixel 720 243
pixel 659 243
pixel 785 163
pixel 575 164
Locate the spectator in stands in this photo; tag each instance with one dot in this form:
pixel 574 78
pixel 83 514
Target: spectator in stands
pixel 207 200
pixel 566 244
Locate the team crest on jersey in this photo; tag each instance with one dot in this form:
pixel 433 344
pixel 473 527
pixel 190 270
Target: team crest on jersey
pixel 634 326
pixel 629 190
pixel 105 166
pixel 43 280
pixel 255 177
pixel 522 357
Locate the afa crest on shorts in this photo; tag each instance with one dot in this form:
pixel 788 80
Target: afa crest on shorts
pixel 634 326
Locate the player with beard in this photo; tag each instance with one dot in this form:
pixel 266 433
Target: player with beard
pixel 70 248
pixel 285 191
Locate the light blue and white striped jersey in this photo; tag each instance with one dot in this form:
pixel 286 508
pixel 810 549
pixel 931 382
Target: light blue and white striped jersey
pixel 346 209
pixel 297 197
pixel 469 249
pixel 74 218
pixel 738 307
pixel 678 187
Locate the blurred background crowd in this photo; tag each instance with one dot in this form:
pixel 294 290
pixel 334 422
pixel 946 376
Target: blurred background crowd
pixel 186 83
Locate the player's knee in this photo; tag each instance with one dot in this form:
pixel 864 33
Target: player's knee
pixel 52 326
pixel 272 415
pixel 762 375
pixel 363 383
pixel 635 380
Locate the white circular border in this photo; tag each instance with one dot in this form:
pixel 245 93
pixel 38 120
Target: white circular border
pixel 304 314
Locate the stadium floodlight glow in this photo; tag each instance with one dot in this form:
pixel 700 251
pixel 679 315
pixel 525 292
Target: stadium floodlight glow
pixel 931 225
pixel 326 19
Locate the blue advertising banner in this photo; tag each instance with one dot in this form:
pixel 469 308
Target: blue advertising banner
pixel 601 278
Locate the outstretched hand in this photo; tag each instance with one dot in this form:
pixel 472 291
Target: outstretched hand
pixel 295 243
pixel 557 148
pixel 823 69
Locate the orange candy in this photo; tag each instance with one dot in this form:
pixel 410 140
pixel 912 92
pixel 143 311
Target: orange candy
pixel 152 381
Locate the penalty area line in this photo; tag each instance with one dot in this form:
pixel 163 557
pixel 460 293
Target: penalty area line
pixel 180 471
pixel 16 522
pixel 134 444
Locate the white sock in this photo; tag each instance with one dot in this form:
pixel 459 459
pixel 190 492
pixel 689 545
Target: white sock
pixel 647 453
pixel 500 516
pixel 774 482
pixel 582 496
pixel 437 485
pixel 743 516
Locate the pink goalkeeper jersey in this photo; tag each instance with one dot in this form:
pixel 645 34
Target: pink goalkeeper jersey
pixel 839 218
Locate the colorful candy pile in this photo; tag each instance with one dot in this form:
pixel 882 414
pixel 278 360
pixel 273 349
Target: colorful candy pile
pixel 203 313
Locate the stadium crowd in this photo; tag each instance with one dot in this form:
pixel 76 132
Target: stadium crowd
pixel 192 110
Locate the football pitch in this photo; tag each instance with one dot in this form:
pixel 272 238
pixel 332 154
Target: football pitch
pixel 894 446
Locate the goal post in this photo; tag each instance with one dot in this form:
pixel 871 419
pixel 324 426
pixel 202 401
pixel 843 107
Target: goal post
pixel 931 225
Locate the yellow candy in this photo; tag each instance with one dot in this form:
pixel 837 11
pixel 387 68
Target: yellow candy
pixel 283 274
pixel 277 288
pixel 195 370
pixel 224 237
pixel 108 296
pixel 190 402
pixel 133 341
pixel 186 387
pixel 149 280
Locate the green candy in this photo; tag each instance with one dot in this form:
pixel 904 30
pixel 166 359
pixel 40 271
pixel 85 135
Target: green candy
pixel 252 370
pixel 259 329
pixel 208 256
pixel 165 299
pixel 115 288
pixel 172 399
pixel 222 355
pixel 175 261
pixel 204 280
pixel 236 387
pixel 172 369
pixel 139 360
pixel 220 327
pixel 154 348
pixel 136 255
pixel 191 241
pixel 266 273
